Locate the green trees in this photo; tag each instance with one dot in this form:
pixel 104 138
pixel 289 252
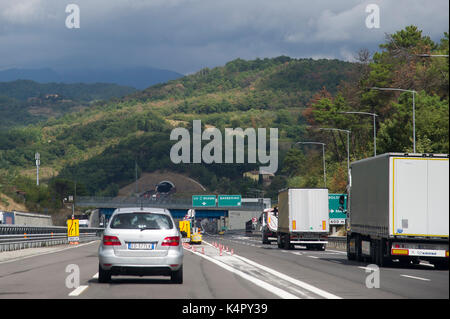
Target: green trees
pixel 99 145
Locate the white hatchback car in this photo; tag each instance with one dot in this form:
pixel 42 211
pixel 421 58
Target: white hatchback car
pixel 141 242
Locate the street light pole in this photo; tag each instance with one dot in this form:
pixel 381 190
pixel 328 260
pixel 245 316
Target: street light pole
pixel 414 108
pixel 374 128
pixel 348 145
pixel 37 157
pixel 323 155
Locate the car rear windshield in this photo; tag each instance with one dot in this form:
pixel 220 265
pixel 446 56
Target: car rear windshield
pixel 141 221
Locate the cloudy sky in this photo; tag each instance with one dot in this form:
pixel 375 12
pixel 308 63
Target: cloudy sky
pixel 187 35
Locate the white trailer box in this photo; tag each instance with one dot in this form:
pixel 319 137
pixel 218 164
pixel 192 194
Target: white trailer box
pixel 303 210
pixel 303 217
pixel 399 208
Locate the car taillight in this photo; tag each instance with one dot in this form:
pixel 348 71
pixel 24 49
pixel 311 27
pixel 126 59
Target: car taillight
pixel 111 241
pixel 171 241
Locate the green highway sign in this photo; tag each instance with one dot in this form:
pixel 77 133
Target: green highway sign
pixel 229 200
pixel 338 206
pixel 203 200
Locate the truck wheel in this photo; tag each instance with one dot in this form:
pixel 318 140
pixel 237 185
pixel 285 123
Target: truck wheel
pixel 373 251
pixel 350 255
pixel 321 247
pixel 265 241
pixel 358 254
pixel 286 242
pixel 279 241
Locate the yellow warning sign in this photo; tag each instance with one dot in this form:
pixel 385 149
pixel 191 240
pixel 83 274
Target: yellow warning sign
pixel 73 228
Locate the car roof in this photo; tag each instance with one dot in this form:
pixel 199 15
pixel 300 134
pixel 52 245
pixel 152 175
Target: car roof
pixel 129 210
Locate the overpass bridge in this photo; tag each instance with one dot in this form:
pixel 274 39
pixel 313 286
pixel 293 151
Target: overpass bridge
pixel 178 207
pixel 168 202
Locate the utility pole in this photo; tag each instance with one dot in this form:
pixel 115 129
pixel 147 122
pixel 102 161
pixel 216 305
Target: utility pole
pixel 37 157
pixel 136 178
pixel 348 146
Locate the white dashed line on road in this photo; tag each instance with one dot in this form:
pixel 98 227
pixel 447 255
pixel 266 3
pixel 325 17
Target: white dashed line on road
pixel 413 277
pixel 78 291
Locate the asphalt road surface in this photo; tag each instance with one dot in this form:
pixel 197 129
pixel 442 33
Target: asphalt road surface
pixel 242 269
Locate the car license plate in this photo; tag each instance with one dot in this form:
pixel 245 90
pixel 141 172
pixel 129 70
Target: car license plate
pixel 141 246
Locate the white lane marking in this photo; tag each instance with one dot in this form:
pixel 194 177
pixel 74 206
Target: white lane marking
pixel 313 257
pixel 296 253
pixel 275 290
pixel 366 268
pixel 337 251
pixel 78 291
pixel 413 277
pixel 297 282
pixel 425 264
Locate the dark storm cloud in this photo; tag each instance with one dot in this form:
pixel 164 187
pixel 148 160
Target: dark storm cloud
pixel 186 35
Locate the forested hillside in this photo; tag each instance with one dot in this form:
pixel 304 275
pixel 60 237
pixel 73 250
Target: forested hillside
pixel 99 147
pixel 24 102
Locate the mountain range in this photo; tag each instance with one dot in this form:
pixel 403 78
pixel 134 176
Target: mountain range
pixel 137 77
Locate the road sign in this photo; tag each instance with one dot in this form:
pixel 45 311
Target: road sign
pixel 204 200
pixel 337 221
pixel 229 200
pixel 338 207
pixel 73 230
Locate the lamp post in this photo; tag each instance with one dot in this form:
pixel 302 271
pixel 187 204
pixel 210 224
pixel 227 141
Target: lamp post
pixel 414 108
pixel 37 157
pixel 323 155
pixel 348 145
pixel 374 128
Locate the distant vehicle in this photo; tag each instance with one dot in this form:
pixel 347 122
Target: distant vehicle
pixel 399 209
pixel 303 218
pixel 141 242
pixel 191 234
pixel 269 225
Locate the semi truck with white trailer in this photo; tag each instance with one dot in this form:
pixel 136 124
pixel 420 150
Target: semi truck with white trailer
pixel 303 218
pixel 399 209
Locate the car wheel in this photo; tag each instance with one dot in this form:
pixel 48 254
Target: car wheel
pixel 177 276
pixel 104 276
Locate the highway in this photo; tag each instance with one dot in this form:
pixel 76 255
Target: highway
pixel 248 270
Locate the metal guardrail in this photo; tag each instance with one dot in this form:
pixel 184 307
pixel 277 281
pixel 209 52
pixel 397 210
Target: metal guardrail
pixel 333 241
pixel 162 202
pixel 337 242
pixel 14 237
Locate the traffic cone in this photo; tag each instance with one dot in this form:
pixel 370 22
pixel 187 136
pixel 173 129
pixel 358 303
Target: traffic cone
pixel 232 252
pixel 203 250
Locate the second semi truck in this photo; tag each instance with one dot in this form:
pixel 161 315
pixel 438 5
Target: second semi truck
pixel 399 209
pixel 303 218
